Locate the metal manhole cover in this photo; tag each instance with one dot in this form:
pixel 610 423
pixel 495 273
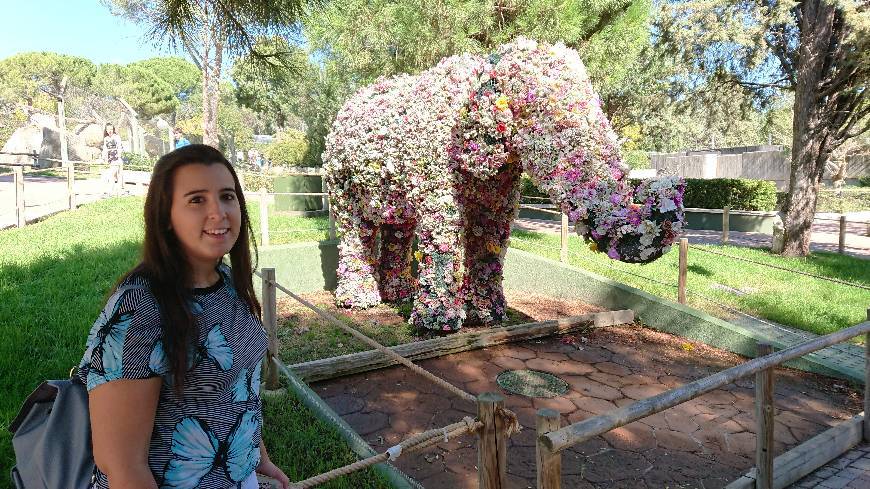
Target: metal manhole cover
pixel 532 383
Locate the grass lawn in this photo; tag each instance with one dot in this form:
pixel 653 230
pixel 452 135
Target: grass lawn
pixel 54 279
pixel 286 229
pixel 799 301
pixel 55 276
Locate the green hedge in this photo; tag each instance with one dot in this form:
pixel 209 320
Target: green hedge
pixel 716 193
pixel 528 189
pixel 254 181
pixel 288 149
pixel 737 193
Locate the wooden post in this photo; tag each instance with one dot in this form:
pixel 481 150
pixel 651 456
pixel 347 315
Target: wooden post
pixel 842 246
pixel 18 178
pixel 270 321
pixel 61 124
pixel 264 216
pixel 764 415
pixel 725 224
pixel 70 186
pixel 684 259
pixel 549 465
pixel 121 177
pixel 867 383
pixel 492 446
pixel 563 254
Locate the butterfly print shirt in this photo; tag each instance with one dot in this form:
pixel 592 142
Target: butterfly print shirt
pixel 208 435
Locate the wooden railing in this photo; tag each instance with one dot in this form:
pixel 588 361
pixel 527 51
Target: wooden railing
pixel 551 440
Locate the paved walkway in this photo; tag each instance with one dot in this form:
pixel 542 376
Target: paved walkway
pixel 850 471
pixel 44 196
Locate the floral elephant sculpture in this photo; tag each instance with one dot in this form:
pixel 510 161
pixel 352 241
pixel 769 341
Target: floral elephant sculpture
pixel 439 155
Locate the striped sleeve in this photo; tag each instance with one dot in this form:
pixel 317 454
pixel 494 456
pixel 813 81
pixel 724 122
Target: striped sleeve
pixel 125 341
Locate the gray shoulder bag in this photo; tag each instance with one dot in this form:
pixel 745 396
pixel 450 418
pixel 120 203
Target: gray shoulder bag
pixel 51 435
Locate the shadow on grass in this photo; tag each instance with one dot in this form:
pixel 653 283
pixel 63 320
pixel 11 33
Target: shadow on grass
pixel 700 270
pixel 48 308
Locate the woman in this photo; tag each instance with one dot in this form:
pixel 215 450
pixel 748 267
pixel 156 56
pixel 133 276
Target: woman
pixel 112 147
pixel 172 366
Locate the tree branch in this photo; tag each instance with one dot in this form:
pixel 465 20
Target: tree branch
pixel 605 20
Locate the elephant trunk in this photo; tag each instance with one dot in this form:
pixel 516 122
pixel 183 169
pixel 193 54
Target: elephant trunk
pixel 633 225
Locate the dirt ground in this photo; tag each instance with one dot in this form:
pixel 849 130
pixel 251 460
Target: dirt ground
pixel 704 443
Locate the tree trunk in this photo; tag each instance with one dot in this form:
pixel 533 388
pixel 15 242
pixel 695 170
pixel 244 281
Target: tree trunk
pixel 212 59
pixel 810 146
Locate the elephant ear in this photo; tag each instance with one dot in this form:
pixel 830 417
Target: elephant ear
pixel 481 140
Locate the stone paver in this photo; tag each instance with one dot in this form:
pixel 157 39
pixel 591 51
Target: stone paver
pixel 704 443
pixel 850 471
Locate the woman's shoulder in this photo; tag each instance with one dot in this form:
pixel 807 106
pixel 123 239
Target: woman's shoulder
pixel 134 294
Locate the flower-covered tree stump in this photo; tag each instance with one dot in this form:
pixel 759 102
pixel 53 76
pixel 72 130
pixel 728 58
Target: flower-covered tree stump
pixel 439 155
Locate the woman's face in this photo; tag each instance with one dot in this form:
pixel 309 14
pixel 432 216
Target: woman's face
pixel 110 129
pixel 205 213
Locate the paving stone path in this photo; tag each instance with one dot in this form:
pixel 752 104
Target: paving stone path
pixel 705 443
pixel 849 471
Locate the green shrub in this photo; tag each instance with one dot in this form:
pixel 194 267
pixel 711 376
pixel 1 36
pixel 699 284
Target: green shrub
pixel 529 189
pixel 851 200
pixel 636 159
pixel 737 193
pixel 254 181
pixel 136 161
pixel 864 181
pixel 288 148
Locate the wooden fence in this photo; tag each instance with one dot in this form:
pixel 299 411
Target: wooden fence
pixel 770 472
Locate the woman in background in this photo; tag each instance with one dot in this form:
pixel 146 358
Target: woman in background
pixel 112 148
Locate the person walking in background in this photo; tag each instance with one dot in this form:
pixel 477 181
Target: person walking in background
pixel 180 140
pixel 112 148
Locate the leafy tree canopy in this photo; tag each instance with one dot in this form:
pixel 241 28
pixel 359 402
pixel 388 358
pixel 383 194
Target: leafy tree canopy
pixel 23 75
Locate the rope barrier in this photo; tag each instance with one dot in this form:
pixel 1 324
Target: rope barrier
pixel 533 197
pixel 365 339
pixel 541 209
pixel 294 231
pixel 412 444
pixel 820 277
pixel 318 194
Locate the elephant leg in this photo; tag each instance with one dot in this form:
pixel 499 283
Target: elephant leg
pixel 357 258
pixel 396 283
pixel 438 304
pixel 487 236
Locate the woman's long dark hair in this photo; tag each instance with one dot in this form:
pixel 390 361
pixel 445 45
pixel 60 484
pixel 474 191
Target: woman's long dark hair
pixel 165 266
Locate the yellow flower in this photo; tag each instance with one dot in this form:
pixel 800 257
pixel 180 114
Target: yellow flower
pixel 501 103
pixel 593 246
pixel 418 255
pixel 493 248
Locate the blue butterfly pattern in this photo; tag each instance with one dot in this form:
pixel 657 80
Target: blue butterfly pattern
pixel 247 387
pixel 106 340
pixel 196 451
pixel 215 348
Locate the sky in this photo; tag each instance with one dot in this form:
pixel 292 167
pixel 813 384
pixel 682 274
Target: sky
pixel 83 28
